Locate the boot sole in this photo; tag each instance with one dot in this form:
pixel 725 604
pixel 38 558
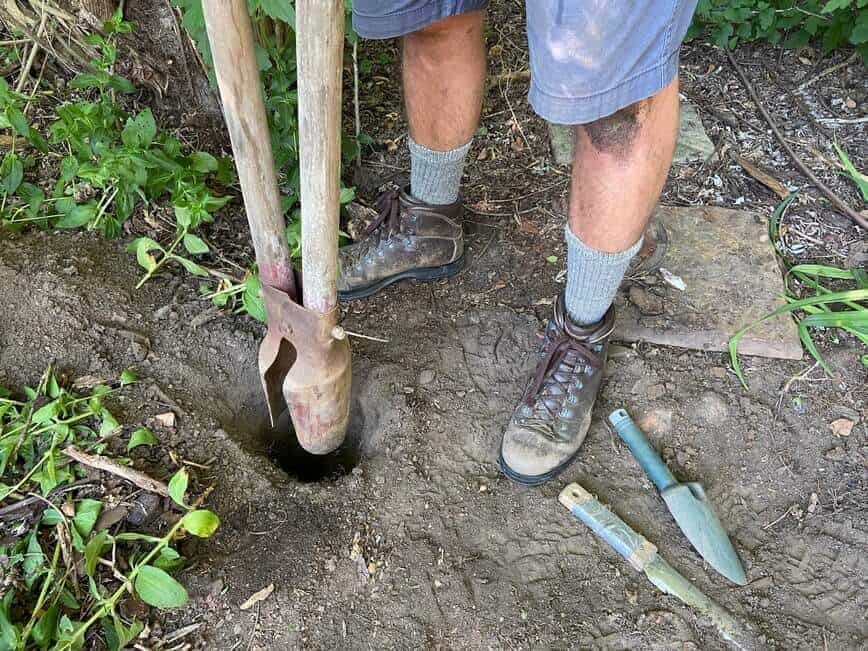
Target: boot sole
pixel 425 275
pixel 534 480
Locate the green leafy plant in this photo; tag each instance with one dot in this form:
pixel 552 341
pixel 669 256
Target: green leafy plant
pixel 791 23
pixel 846 309
pixel 62 573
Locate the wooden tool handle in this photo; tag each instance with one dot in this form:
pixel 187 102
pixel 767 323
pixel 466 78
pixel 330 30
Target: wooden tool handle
pixel 319 54
pixel 233 50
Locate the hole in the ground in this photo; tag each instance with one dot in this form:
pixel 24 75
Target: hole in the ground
pixel 286 452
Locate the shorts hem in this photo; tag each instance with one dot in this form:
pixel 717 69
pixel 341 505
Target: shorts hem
pixel 381 27
pixel 583 110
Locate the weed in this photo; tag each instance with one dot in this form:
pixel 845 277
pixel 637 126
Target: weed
pixel 62 573
pixel 850 315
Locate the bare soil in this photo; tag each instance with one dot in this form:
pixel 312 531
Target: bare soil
pixel 409 537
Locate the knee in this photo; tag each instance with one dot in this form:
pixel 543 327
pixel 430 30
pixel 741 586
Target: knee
pixel 447 30
pixel 616 133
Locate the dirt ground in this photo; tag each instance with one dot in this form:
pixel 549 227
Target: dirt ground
pixel 409 537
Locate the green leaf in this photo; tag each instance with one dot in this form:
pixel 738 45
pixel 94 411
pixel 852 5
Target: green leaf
pixel 201 522
pixel 142 247
pixel 195 245
pixel 86 514
pixel 9 633
pixel 34 559
pixel 46 627
pixel 860 179
pixel 142 436
pixel 128 377
pixel 347 195
pixel 79 216
pixel 189 265
pixel 178 486
pixel 158 589
pixel 94 549
pixel 251 298
pixel 18 121
pixel 552 259
pixel 202 161
pixel 833 297
pixel 109 423
pixel 13 170
pixel 835 5
pixel 47 412
pixel 280 9
pixel 140 130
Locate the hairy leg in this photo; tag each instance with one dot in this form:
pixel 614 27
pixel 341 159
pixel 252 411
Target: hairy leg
pixel 444 79
pixel 619 170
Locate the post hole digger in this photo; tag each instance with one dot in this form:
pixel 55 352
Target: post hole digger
pixel 304 359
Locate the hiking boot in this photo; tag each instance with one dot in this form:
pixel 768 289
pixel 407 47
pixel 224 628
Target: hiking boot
pixel 549 425
pixel 409 239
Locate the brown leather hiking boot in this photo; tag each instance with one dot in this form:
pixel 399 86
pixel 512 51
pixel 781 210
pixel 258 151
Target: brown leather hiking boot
pixel 409 239
pixel 549 425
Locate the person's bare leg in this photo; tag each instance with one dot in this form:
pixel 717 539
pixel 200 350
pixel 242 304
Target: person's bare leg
pixel 619 170
pixel 444 79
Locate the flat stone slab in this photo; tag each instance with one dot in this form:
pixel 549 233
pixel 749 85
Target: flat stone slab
pixel 726 265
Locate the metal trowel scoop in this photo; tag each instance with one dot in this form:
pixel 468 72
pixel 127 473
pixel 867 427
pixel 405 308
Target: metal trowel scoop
pixel 687 502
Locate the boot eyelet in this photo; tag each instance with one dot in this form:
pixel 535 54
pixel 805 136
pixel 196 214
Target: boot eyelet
pixel 526 411
pixel 573 399
pixel 579 384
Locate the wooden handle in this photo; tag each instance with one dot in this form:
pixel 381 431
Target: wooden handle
pixel 231 37
pixel 319 55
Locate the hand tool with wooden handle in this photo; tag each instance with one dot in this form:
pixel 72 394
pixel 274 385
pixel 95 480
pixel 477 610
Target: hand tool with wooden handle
pixel 304 359
pixel 643 556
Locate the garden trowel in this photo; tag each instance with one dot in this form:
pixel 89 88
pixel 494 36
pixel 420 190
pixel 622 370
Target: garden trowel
pixel 687 502
pixel 304 359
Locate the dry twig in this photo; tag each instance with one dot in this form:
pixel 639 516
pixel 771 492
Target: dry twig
pixel 822 187
pixel 110 466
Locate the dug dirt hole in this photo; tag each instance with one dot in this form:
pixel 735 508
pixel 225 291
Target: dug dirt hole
pixel 285 451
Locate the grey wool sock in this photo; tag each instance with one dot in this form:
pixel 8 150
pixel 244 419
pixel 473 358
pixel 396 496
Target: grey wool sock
pixel 593 278
pixel 435 176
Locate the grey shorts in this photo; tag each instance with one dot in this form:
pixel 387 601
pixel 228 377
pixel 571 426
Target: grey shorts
pixel 588 58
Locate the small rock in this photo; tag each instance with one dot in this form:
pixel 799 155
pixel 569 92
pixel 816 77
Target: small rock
pixel 166 419
pixel 438 584
pixel 409 390
pixel 718 372
pixel 648 304
pixel 712 409
pixel 656 421
pixel 426 377
pixel 842 427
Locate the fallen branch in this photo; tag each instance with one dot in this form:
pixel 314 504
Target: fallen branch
pixel 822 187
pixel 112 467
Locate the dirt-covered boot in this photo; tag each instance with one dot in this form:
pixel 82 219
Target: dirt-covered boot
pixel 409 239
pixel 549 425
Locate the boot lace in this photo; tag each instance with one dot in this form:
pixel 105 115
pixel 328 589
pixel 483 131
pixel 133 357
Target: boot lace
pixel 387 224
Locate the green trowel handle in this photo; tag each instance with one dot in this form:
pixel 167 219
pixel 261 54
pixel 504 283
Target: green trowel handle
pixel 642 449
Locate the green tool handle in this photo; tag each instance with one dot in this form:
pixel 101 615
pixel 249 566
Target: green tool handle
pixel 642 449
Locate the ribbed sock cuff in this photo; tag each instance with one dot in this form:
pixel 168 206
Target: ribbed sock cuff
pixel 435 176
pixel 593 278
